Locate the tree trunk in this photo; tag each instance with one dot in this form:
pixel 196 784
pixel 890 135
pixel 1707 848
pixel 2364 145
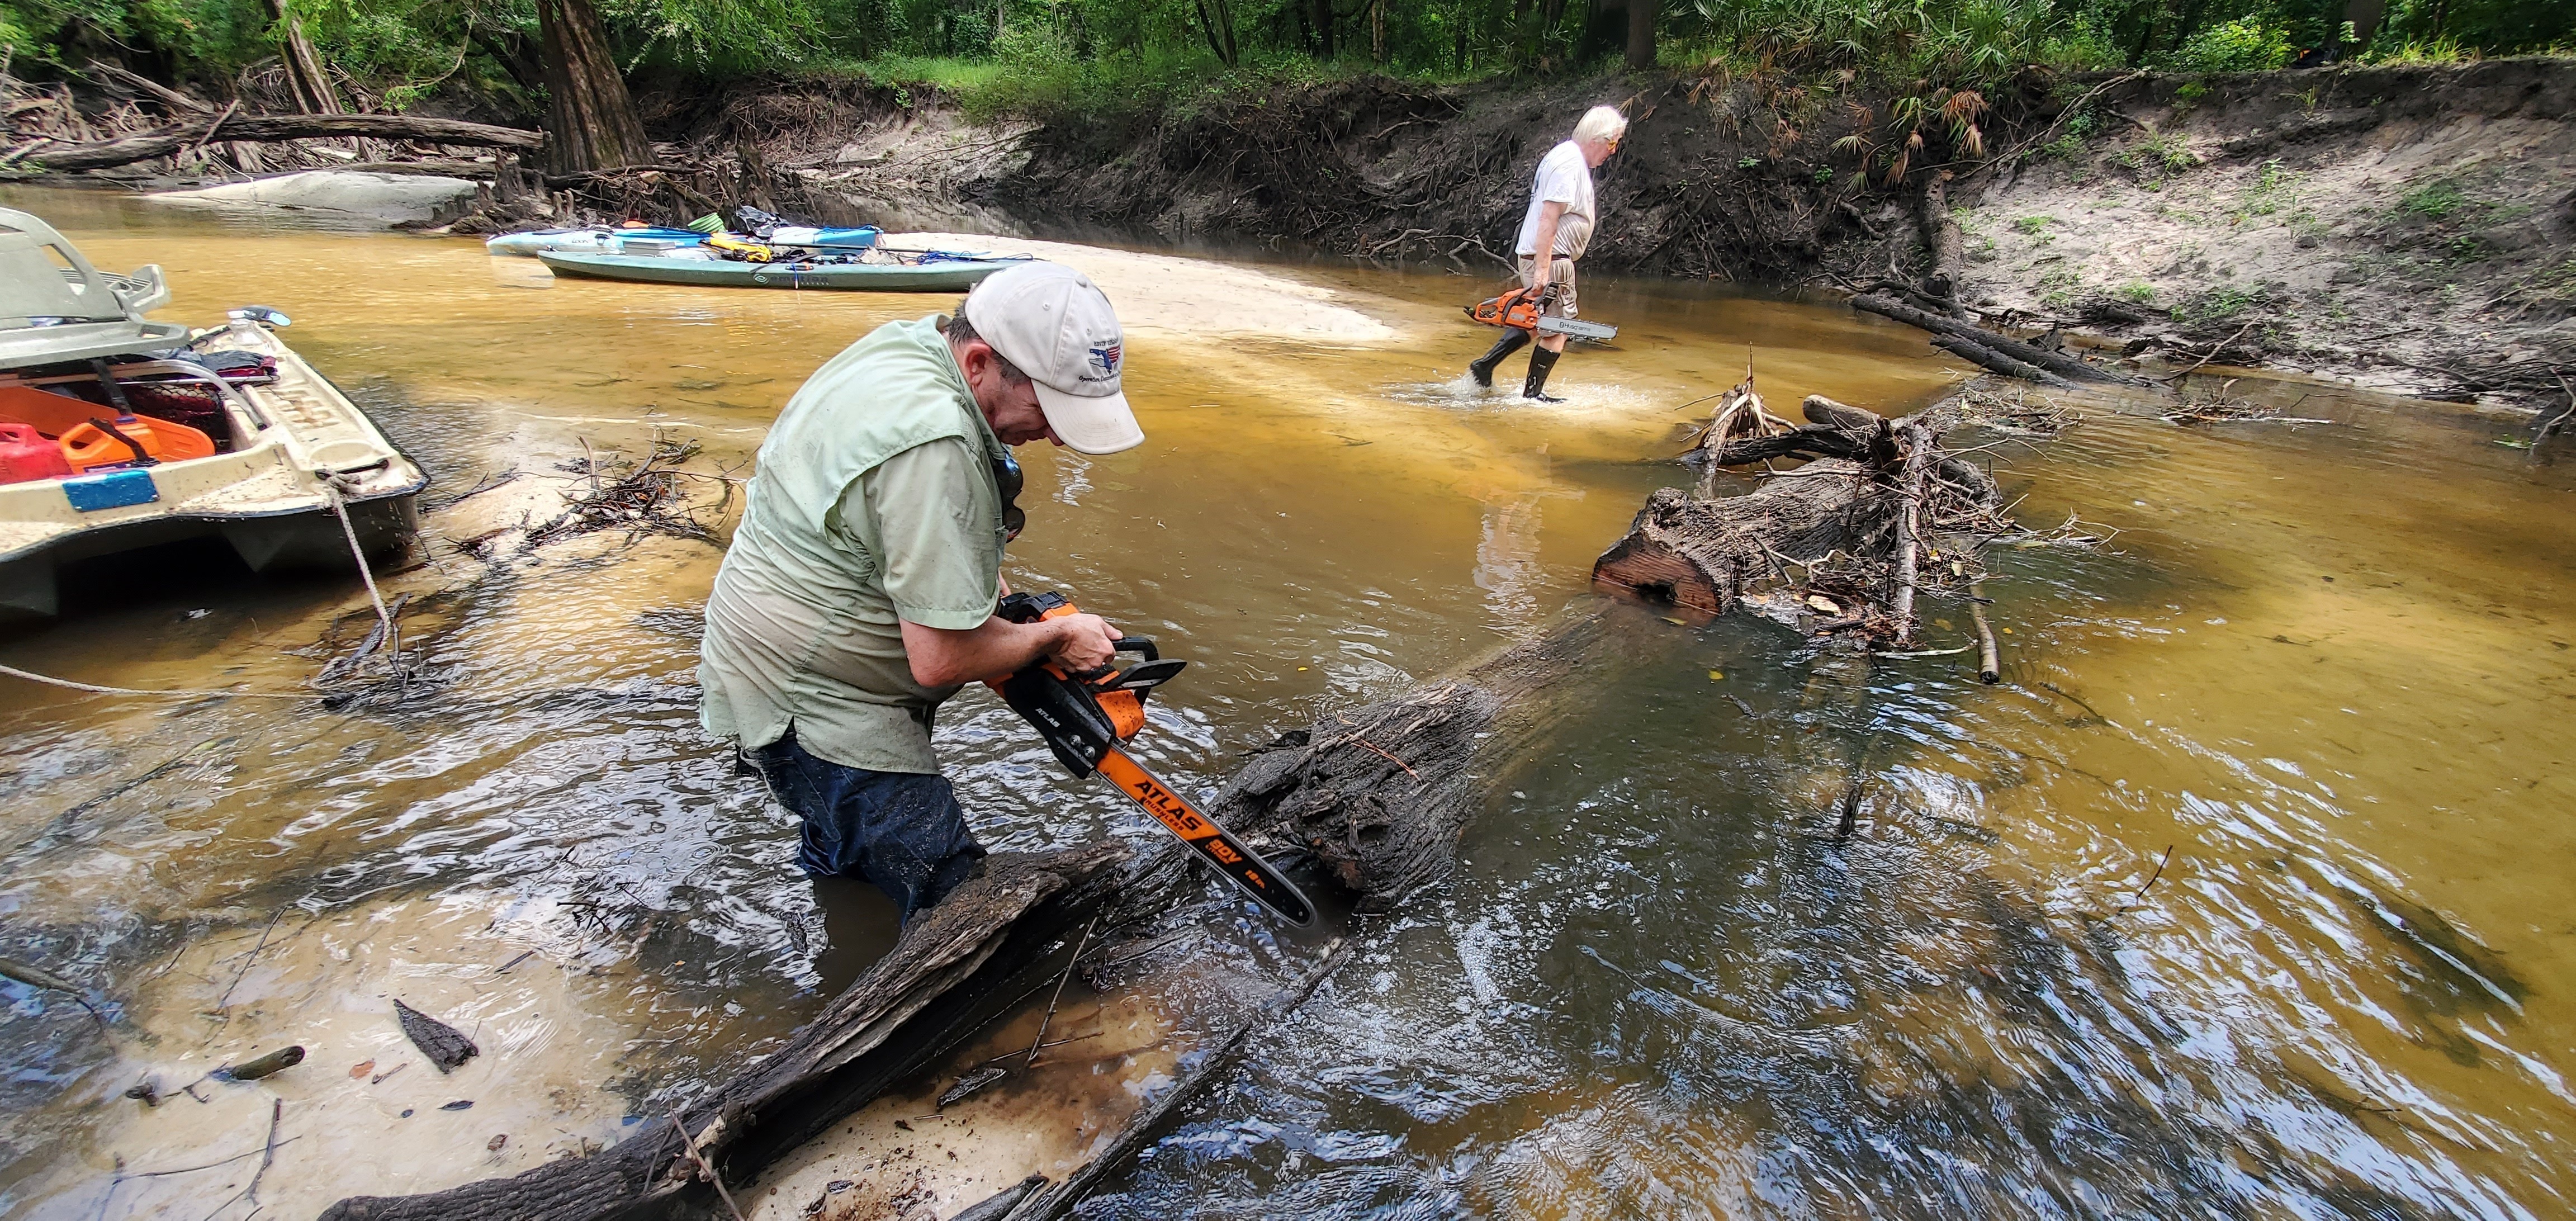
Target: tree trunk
pixel 1641 34
pixel 1324 29
pixel 242 129
pixel 312 87
pixel 1941 242
pixel 591 123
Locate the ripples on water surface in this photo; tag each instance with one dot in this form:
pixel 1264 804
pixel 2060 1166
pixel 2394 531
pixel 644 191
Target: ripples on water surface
pixel 2328 668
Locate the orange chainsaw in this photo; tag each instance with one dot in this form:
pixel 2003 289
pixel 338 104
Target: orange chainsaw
pixel 1520 309
pixel 1086 718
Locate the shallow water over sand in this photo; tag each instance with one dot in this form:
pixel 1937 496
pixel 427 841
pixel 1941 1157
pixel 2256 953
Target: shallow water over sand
pixel 2328 668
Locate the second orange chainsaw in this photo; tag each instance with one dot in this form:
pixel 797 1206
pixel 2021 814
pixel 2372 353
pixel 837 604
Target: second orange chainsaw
pixel 1522 309
pixel 1087 718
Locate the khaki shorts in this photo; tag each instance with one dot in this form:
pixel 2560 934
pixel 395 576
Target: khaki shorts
pixel 1560 276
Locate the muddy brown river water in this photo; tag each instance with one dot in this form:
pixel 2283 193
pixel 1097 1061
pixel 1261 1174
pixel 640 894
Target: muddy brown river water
pixel 2329 668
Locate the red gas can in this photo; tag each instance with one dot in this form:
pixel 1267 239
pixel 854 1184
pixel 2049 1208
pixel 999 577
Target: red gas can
pixel 25 454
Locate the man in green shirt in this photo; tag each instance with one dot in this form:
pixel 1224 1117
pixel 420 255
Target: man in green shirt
pixel 859 590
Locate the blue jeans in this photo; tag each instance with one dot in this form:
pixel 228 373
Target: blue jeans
pixel 902 831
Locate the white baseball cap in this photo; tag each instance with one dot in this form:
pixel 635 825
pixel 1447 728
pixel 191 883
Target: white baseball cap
pixel 1056 325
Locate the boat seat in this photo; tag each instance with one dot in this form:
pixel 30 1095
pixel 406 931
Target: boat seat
pixel 52 414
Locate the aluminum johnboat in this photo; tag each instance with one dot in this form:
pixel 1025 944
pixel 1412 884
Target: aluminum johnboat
pixel 117 432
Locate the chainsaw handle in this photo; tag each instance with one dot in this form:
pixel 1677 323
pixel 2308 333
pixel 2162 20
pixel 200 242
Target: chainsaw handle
pixel 1138 644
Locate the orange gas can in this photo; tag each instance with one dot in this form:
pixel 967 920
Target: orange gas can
pixel 25 454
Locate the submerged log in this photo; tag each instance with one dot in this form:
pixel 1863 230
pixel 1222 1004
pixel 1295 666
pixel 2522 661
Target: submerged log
pixel 261 128
pixel 939 983
pixel 2058 363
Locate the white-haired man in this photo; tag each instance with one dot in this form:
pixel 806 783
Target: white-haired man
pixel 859 590
pixel 1559 222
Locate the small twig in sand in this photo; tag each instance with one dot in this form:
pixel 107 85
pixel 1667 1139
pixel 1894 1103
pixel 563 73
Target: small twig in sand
pixel 267 1158
pixel 2213 353
pixel 1067 977
pixel 2151 878
pixel 224 1004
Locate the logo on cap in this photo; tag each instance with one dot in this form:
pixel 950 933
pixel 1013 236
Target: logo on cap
pixel 1106 359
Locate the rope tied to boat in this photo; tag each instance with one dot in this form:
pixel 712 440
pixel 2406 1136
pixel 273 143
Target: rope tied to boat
pixel 334 486
pixel 97 689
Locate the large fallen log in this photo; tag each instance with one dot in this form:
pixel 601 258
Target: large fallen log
pixel 2058 363
pixel 268 128
pixel 1379 794
pixel 1992 361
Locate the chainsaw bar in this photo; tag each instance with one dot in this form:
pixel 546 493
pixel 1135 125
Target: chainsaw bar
pixel 1213 843
pixel 1576 328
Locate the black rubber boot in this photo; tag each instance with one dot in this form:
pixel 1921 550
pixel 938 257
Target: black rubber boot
pixel 1482 368
pixel 1542 362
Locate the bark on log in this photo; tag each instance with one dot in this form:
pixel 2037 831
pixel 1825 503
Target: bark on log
pixel 1941 241
pixel 1996 362
pixel 314 93
pixel 938 984
pixel 2055 362
pixel 1920 447
pixel 272 127
pixel 1702 554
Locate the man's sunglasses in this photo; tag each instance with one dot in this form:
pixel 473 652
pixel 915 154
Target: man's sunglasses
pixel 1006 472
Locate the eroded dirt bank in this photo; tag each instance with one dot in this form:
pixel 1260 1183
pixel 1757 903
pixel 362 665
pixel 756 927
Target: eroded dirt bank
pixel 2409 228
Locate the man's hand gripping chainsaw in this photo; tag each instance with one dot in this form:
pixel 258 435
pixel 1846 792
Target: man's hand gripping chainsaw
pixel 1524 309
pixel 1087 718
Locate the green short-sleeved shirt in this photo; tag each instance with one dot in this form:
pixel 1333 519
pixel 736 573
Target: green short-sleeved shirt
pixel 875 502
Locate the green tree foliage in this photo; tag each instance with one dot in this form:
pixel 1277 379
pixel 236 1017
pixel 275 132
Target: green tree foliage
pixel 393 52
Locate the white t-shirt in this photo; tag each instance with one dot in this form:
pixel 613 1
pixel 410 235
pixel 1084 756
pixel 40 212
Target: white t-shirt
pixel 1562 178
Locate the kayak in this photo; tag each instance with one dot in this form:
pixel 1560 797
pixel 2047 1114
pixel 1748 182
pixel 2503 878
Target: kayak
pixel 928 276
pixel 596 240
pixel 601 240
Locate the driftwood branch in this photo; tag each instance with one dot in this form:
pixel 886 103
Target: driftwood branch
pixel 1993 361
pixel 1059 1200
pixel 1988 669
pixel 1920 447
pixel 268 128
pixel 2058 363
pixel 176 100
